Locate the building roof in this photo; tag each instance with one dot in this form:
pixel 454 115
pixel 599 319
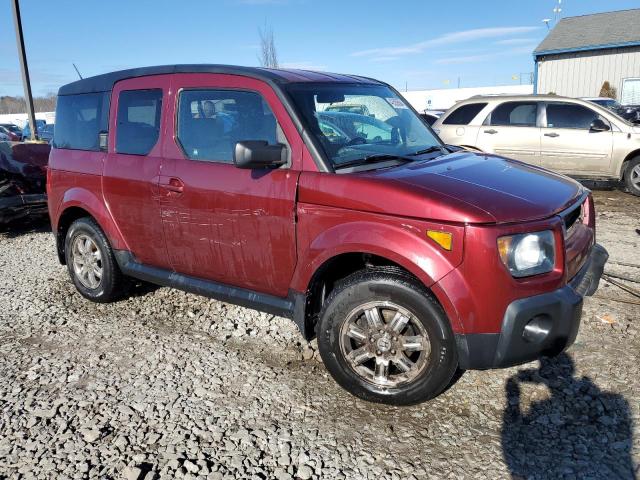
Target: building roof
pixel 593 32
pixel 105 82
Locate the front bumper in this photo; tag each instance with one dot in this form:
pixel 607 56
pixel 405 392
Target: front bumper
pixel 17 206
pixel 542 325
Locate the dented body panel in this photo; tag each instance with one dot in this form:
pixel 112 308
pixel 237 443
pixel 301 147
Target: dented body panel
pixel 23 168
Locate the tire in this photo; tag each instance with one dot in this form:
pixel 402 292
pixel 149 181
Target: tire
pixel 86 234
pixel 346 318
pixel 632 176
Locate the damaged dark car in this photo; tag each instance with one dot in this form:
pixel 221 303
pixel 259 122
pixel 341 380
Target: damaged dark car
pixel 23 168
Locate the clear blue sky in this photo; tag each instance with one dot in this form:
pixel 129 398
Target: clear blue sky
pixel 422 43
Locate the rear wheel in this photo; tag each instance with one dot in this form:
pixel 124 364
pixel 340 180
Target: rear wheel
pixel 91 263
pixel 384 338
pixel 632 176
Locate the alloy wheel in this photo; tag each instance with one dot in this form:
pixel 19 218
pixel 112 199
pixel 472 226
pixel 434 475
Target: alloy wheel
pixel 87 261
pixel 385 344
pixel 635 176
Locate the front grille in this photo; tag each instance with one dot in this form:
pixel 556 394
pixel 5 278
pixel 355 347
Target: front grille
pixel 572 218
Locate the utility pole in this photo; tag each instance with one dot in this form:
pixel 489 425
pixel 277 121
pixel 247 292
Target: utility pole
pixel 17 22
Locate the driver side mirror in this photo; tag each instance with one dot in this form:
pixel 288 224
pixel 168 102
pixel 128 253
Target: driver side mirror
pixel 598 125
pixel 253 154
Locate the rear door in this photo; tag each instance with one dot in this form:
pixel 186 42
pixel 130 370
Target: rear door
pixel 132 165
pixel 458 126
pixel 568 144
pixel 222 223
pixel 511 130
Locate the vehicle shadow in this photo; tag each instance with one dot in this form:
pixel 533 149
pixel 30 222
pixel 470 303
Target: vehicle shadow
pixel 25 226
pixel 580 431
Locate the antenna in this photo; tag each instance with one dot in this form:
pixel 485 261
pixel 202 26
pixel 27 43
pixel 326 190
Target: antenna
pixel 77 71
pixel 557 11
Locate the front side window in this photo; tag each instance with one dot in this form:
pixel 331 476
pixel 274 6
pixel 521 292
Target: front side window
pixel 569 115
pixel 360 122
pixel 464 114
pixel 138 120
pixel 515 114
pixel 79 120
pixel 211 122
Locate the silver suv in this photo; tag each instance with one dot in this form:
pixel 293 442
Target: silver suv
pixel 566 135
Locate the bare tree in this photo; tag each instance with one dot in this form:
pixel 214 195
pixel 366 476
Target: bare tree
pixel 9 104
pixel 268 55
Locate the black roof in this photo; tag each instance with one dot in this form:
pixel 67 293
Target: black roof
pixel 105 82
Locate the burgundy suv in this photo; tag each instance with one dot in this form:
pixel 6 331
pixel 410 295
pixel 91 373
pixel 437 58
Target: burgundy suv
pixel 408 260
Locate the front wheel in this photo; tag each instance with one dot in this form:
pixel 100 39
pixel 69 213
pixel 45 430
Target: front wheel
pixel 632 176
pixel 384 338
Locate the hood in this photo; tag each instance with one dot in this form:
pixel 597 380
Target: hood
pixel 463 187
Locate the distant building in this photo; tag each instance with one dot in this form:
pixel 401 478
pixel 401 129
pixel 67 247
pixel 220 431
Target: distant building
pixel 581 53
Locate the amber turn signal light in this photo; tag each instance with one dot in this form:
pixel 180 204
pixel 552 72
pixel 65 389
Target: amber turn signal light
pixel 444 239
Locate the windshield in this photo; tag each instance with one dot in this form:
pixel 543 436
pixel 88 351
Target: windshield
pixel 607 103
pixel 11 128
pixel 353 122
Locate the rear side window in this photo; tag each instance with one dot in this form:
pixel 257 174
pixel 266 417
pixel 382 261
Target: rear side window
pixel 138 119
pixel 79 120
pixel 210 122
pixel 464 114
pixel 515 114
pixel 568 115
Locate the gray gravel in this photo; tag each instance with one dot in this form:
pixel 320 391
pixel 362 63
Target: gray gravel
pixel 170 385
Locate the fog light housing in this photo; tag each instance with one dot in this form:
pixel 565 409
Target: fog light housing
pixel 537 329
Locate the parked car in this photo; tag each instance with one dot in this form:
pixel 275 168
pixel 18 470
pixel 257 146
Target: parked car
pixel 567 135
pixel 347 108
pixel 430 116
pixel 46 132
pixel 23 169
pixel 630 113
pixel 374 245
pixel 26 131
pixel 357 127
pixel 12 131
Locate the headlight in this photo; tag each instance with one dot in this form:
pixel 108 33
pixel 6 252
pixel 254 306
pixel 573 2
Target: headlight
pixel 528 253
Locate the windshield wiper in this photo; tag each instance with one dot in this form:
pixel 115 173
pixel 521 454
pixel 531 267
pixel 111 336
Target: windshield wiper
pixel 433 148
pixel 377 157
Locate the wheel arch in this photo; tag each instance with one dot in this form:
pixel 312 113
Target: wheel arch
pixel 339 266
pixel 627 161
pixel 78 203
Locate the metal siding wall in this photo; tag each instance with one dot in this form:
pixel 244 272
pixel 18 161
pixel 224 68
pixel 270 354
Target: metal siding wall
pixel 581 74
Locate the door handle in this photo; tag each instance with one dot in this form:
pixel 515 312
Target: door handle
pixel 491 131
pixel 552 135
pixel 175 185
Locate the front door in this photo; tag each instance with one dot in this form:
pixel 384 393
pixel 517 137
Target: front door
pixel 569 146
pixel 222 223
pixel 132 165
pixel 511 130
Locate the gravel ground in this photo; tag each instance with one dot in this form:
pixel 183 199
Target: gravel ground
pixel 170 385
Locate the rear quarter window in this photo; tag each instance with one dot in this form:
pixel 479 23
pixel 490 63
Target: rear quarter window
pixel 464 114
pixel 79 120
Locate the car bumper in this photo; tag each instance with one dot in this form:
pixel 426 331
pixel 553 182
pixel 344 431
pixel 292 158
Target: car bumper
pixel 542 325
pixel 18 206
